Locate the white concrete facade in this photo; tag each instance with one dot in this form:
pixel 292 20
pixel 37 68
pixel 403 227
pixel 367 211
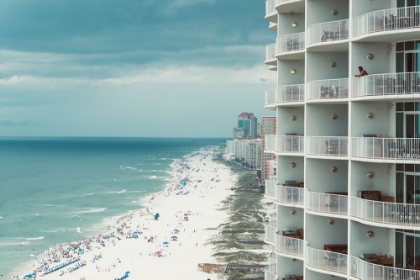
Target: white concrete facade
pixel 347 148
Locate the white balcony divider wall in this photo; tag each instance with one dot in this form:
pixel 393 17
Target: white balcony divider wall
pixel 339 136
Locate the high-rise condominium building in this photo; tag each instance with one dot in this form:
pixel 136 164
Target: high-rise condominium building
pixel 347 190
pixel 268 127
pixel 249 122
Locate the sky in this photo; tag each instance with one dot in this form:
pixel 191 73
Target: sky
pixel 131 68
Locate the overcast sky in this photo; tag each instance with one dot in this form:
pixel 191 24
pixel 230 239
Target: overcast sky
pixel 146 68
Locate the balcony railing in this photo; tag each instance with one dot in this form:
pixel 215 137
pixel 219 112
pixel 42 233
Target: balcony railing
pixel 386 212
pixel 270 272
pixel 291 42
pixel 285 94
pixel 327 203
pixel 270 232
pixel 270 7
pixel 386 148
pixel 270 97
pixel 292 144
pixel 291 93
pixel 327 146
pixel 326 260
pixel 328 89
pixel 386 20
pixel 270 187
pixel 290 195
pixel 290 246
pixel 328 32
pixel 270 52
pixel 387 84
pixel 369 271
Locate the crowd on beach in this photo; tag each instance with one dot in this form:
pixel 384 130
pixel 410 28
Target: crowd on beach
pixel 169 223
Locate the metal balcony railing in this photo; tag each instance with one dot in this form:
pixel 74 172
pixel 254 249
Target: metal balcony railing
pixel 369 271
pixel 293 144
pixel 386 212
pixel 386 148
pixel 290 246
pixel 270 232
pixel 290 195
pixel 328 89
pixel 270 97
pixel 326 260
pixel 387 84
pixel 270 272
pixel 270 7
pixel 327 203
pixel 387 20
pixel 270 187
pixel 291 93
pixel 327 146
pixel 291 42
pixel 328 32
pixel 270 52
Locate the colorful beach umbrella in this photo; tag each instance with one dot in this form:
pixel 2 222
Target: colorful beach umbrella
pixel 166 243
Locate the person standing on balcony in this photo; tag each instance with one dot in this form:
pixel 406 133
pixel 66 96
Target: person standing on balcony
pixel 362 72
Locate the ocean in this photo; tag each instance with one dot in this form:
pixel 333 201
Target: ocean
pixel 55 190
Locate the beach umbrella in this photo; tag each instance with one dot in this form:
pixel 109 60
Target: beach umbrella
pixel 166 243
pixel 174 236
pixel 175 229
pixel 127 272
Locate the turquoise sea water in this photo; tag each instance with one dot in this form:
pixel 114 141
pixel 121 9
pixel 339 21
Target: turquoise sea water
pixel 55 190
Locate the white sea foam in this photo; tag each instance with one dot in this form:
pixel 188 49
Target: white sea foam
pixel 53 205
pixel 14 244
pixel 116 192
pixel 87 194
pixel 36 214
pixel 152 177
pixel 91 210
pixel 74 216
pixel 78 230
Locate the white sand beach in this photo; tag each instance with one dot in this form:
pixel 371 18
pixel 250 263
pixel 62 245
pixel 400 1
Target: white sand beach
pixel 112 254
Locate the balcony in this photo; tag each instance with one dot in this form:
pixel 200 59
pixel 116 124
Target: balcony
pixel 291 43
pixel 270 54
pixel 270 10
pixel 386 148
pixel 326 260
pixel 387 86
pixel 285 144
pixel 270 187
pixel 363 270
pixel 290 246
pixel 270 272
pixel 332 203
pixel 388 21
pixel 270 232
pixel 328 32
pixel 386 213
pixel 290 195
pixel 329 146
pixel 328 89
pixel 284 95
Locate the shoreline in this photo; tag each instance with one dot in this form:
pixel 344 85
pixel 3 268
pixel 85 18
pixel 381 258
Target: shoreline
pixel 202 172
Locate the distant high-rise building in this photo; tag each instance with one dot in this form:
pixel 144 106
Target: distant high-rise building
pixel 239 132
pixel 268 126
pixel 248 122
